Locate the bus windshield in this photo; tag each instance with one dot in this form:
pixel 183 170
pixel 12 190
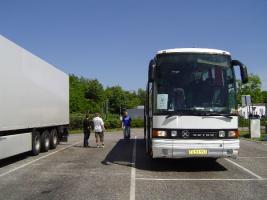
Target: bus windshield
pixel 194 84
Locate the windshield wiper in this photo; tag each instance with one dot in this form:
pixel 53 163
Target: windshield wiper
pixel 173 114
pixel 199 113
pixel 185 112
pixel 208 113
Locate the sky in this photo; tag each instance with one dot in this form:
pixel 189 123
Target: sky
pixel 113 41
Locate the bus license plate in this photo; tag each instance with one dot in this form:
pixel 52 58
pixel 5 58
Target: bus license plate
pixel 198 152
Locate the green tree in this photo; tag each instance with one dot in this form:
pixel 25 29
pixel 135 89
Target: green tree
pixel 77 90
pixel 142 96
pixel 264 96
pixel 252 88
pixel 89 95
pixel 132 99
pixel 116 99
pixel 94 91
pixel 85 95
pixel 95 95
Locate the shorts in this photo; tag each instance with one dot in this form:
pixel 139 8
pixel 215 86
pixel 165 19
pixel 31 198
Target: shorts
pixel 100 135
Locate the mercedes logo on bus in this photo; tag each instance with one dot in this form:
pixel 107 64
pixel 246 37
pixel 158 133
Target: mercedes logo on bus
pixel 185 134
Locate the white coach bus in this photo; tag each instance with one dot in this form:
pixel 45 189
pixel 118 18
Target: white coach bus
pixel 191 108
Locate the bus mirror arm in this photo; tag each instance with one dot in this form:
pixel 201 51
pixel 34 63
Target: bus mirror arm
pixel 243 70
pixel 151 73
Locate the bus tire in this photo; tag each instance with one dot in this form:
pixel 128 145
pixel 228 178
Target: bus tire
pixel 45 141
pixel 36 143
pixel 147 147
pixel 53 139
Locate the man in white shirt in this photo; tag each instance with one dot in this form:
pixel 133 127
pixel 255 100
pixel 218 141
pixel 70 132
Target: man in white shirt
pixel 99 130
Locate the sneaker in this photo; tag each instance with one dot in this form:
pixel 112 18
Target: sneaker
pixel 97 146
pixel 103 145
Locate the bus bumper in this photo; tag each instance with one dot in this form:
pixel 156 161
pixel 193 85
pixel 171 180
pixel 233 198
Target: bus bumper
pixel 170 148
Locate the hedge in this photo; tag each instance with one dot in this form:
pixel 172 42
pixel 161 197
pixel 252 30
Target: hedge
pixel 242 122
pixel 112 122
pixel 76 120
pixel 137 123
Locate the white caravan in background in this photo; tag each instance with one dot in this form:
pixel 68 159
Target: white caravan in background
pixel 34 102
pixel 191 108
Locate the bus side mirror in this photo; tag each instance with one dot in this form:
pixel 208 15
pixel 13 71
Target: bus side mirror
pixel 151 71
pixel 243 70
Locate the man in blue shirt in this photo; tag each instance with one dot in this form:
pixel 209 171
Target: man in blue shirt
pixel 126 124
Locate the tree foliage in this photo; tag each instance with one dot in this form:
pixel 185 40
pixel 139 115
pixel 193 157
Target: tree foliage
pixel 142 96
pixel 116 98
pixel 264 96
pixel 89 95
pixel 252 88
pixel 77 90
pixel 94 91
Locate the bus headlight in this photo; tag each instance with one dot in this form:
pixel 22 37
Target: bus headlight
pixel 233 134
pixel 221 133
pixel 159 133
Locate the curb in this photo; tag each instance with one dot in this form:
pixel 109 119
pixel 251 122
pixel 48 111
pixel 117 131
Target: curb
pixel 252 140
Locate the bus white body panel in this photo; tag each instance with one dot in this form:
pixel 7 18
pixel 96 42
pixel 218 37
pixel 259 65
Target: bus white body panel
pixel 14 144
pixel 173 148
pixel 195 122
pixel 169 148
pixel 194 50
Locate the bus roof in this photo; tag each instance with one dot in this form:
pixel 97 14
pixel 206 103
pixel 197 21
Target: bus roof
pixel 193 50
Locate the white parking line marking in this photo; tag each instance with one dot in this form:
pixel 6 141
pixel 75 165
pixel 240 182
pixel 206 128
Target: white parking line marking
pixel 245 169
pixel 133 173
pixel 33 161
pixel 201 179
pixel 251 157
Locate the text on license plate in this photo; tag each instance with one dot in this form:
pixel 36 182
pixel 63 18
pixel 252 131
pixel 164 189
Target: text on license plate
pixel 197 151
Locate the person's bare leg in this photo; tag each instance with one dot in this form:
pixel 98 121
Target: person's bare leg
pixel 102 139
pixel 97 139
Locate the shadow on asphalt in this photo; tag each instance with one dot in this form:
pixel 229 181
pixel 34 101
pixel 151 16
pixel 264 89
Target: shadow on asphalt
pixel 121 154
pixel 13 159
pixel 82 147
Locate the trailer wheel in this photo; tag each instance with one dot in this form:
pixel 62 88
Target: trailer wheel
pixel 36 143
pixel 53 139
pixel 45 141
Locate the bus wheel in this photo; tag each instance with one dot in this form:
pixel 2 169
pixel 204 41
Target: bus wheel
pixel 150 152
pixel 36 143
pixel 45 141
pixel 53 139
pixel 147 147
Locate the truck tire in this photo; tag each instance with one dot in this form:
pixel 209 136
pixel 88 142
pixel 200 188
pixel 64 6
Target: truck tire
pixel 36 143
pixel 45 141
pixel 53 139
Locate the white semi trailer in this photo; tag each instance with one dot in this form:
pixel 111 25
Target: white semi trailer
pixel 34 102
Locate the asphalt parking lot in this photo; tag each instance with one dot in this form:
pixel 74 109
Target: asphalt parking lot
pixel 122 170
